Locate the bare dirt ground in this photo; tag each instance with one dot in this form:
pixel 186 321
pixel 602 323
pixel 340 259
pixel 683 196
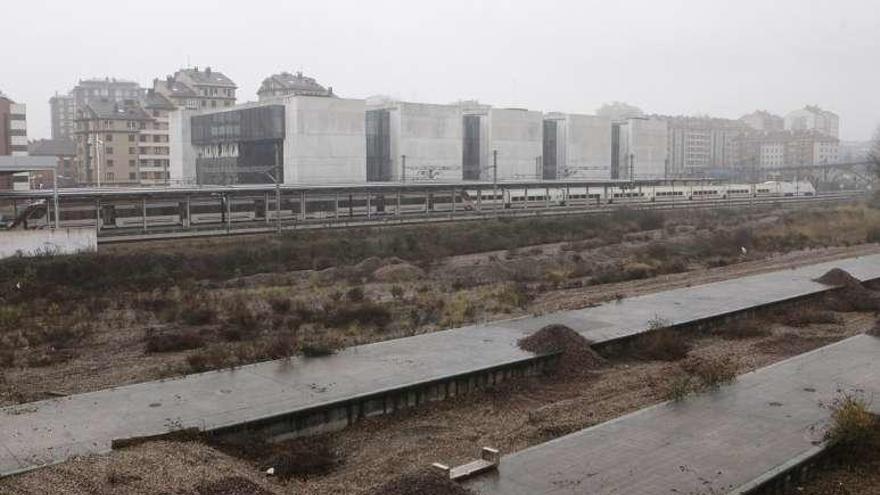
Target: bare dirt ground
pixel 512 417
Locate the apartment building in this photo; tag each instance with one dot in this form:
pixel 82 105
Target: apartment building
pixel 63 112
pixel 762 120
pixel 813 118
pixel 196 89
pixel 13 136
pixel 63 108
pixel 698 145
pixel 154 152
pixel 108 142
pixel 13 127
pixel 768 150
pixel 287 84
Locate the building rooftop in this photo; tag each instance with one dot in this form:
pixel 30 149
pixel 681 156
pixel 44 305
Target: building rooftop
pixel 111 110
pixel 153 100
pixel 207 77
pixel 296 84
pixel 52 147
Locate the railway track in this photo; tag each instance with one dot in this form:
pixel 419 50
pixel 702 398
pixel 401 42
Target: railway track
pixel 261 226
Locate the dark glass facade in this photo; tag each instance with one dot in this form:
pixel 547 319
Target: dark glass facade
pixel 471 148
pixel 257 136
pixel 550 166
pixel 378 131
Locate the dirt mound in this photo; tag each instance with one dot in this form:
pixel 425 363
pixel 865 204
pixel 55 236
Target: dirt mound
pixel 423 482
pixel 576 354
pixel 400 272
pixel 852 295
pixel 875 330
pixel 302 460
pixel 234 485
pixel 839 278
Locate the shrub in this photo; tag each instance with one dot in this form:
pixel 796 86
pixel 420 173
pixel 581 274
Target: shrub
pixel 200 314
pixel 742 328
pixel 211 358
pixel 366 313
pixel 664 344
pixel 280 305
pixel 679 387
pixel 319 346
pixel 712 372
pixel 280 347
pixel 852 424
pixel 355 294
pixel 156 342
pixel 397 292
pixel 10 317
pixel 802 317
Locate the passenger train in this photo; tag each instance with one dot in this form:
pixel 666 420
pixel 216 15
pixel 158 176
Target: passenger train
pixel 239 207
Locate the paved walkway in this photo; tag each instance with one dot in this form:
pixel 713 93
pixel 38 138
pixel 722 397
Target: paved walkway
pixel 709 444
pixel 50 431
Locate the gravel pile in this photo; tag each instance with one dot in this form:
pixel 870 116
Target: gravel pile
pixel 422 482
pixel 576 354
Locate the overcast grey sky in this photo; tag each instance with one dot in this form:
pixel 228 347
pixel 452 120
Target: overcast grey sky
pixel 718 57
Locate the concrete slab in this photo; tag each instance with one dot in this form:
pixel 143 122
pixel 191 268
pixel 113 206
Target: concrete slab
pixel 50 431
pixel 712 443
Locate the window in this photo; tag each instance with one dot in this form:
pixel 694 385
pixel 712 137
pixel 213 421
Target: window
pixel 132 151
pixel 108 137
pixel 132 176
pixel 109 163
pixel 132 163
pixel 204 103
pixel 143 138
pixel 131 138
pixel 109 176
pixel 214 103
pixel 108 150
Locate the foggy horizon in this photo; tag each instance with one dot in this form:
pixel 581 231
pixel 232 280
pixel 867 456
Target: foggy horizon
pixel 722 59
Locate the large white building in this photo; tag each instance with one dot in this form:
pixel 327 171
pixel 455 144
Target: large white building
pixel 641 145
pixel 302 139
pixel 576 147
pixel 428 138
pixel 514 135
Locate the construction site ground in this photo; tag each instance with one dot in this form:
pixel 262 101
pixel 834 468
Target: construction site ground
pixel 511 418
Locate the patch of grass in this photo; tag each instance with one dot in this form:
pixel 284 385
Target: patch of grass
pixel 160 342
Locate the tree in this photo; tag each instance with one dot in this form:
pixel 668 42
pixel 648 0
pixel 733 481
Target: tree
pixel 874 152
pixel 619 110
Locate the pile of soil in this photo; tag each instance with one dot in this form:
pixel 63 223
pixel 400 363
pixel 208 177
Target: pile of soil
pixel 401 272
pixel 576 354
pixel 839 278
pixel 875 330
pixel 422 482
pixel 852 295
pixel 234 485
